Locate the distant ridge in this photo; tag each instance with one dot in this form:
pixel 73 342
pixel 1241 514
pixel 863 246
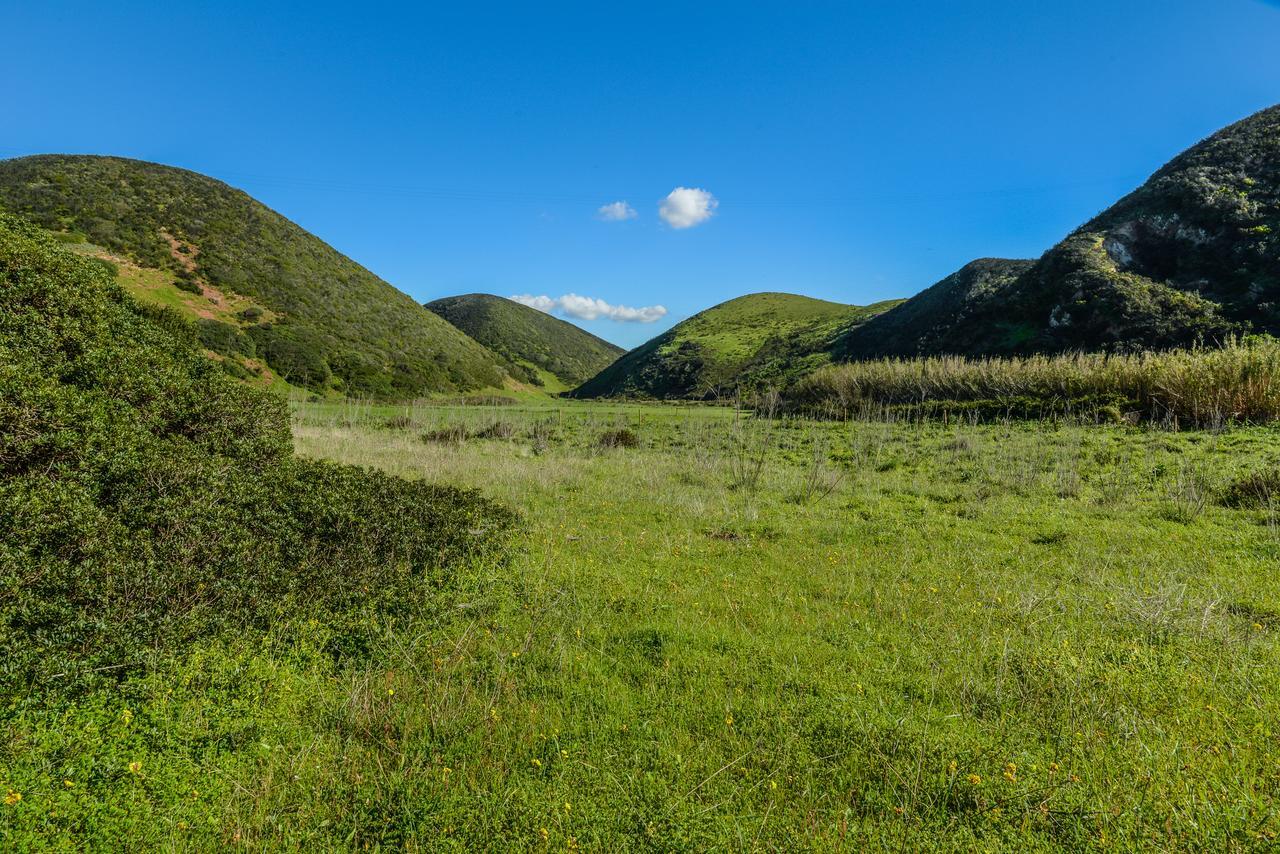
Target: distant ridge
pixel 528 339
pixel 749 342
pixel 1191 255
pixel 333 325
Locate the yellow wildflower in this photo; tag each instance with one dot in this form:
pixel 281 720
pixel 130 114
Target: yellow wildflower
pixel 1053 767
pixel 974 780
pixel 537 763
pixel 135 767
pixel 69 784
pixel 12 798
pixel 728 720
pixel 1011 772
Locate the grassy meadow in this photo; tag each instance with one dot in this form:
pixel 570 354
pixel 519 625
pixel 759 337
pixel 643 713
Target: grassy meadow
pixel 738 634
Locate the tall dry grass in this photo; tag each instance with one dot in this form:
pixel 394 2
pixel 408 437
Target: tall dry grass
pixel 1201 387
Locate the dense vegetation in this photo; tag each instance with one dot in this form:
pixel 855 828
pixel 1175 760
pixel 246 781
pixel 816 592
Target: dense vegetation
pixel 1192 255
pixel 528 338
pixel 743 344
pixel 1200 387
pixel 147 501
pixel 337 326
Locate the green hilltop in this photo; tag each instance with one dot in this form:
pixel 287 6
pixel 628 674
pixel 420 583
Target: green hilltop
pixel 267 295
pixel 531 341
pixel 749 342
pixel 1192 255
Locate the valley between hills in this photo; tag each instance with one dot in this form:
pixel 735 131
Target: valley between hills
pixel 290 561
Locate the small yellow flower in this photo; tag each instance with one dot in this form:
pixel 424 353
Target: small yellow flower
pixel 564 754
pixel 445 772
pixel 951 767
pixel 567 806
pixel 537 763
pixel 728 720
pixel 1011 772
pixel 773 784
pixel 391 692
pixel 12 798
pixel 69 784
pixel 974 780
pixel 1053 767
pixel 515 653
pixel 545 834
pixel 135 767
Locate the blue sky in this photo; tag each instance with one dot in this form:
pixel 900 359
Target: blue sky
pixel 857 150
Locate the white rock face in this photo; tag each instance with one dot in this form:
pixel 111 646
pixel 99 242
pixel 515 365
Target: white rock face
pixel 1117 251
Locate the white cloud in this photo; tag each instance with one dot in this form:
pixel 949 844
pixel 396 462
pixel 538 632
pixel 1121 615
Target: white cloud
pixel 590 308
pixel 684 207
pixel 616 212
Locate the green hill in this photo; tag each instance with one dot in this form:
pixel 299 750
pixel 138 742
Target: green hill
pixel 528 339
pixel 261 288
pixel 749 342
pixel 1193 254
pixel 148 502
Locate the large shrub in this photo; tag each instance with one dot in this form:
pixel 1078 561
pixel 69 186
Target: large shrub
pixel 147 500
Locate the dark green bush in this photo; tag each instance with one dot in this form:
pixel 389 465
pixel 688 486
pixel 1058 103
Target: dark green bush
pixel 620 438
pixel 1254 490
pixel 224 338
pixel 296 353
pixel 148 501
pixel 451 434
pixel 191 286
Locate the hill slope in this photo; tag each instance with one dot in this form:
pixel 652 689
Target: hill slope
pixel 1194 253
pixel 748 342
pixel 148 501
pixel 527 337
pixel 314 315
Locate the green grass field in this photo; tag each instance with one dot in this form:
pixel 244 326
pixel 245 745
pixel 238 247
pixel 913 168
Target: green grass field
pixel 742 634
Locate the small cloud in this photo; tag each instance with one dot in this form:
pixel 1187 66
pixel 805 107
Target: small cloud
pixel 590 308
pixel 615 212
pixel 685 207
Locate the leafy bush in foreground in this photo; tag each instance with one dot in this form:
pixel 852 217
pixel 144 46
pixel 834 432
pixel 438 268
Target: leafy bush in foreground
pixel 1239 382
pixel 147 500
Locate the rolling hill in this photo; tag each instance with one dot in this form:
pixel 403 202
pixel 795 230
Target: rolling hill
pixel 1193 254
pixel 749 342
pixel 530 340
pixel 262 289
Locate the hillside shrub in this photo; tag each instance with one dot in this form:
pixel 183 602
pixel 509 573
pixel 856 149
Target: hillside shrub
pixel 148 501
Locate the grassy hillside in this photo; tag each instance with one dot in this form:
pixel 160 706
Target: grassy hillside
pixel 312 315
pixel 1193 254
pixel 528 339
pixel 752 341
pixel 147 500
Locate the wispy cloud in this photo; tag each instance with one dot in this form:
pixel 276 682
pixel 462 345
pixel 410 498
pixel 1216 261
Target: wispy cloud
pixel 615 212
pixel 590 308
pixel 685 207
